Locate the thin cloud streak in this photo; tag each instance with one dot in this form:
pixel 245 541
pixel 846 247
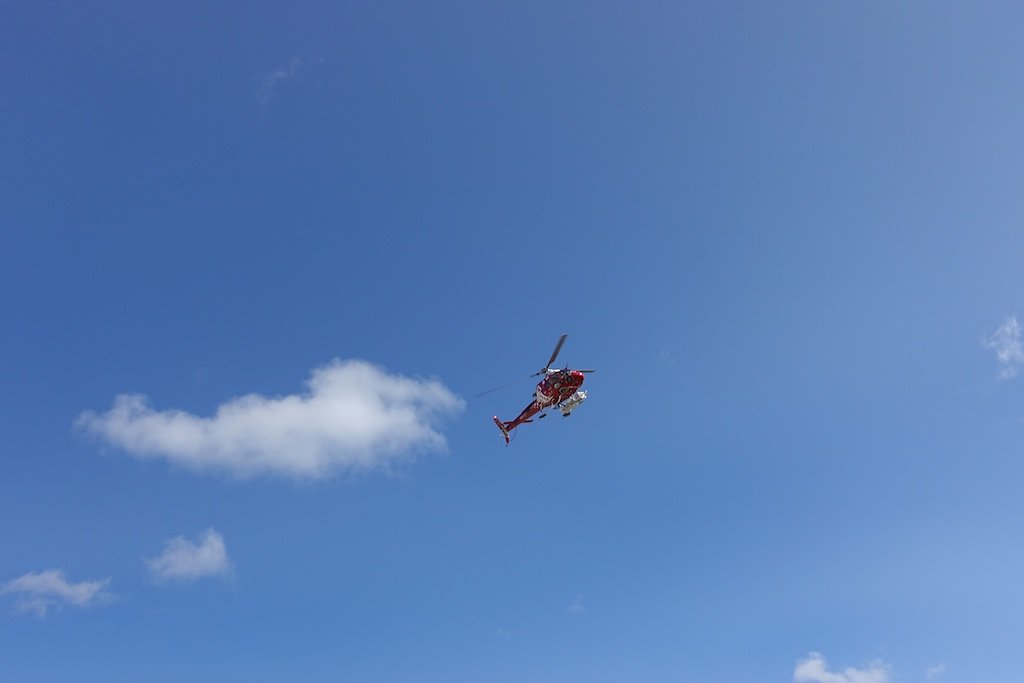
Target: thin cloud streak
pixel 277 77
pixel 814 669
pixel 577 606
pixel 353 417
pixel 37 592
pixel 183 560
pixel 1006 342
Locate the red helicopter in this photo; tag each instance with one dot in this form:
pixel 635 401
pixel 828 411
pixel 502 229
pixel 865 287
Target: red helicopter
pixel 559 389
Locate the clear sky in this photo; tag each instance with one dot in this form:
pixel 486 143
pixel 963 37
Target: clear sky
pixel 256 261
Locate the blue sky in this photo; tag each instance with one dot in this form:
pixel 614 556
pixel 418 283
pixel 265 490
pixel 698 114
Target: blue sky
pixel 258 260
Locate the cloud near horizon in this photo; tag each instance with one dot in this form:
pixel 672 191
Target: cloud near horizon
pixel 353 417
pixel 814 669
pixel 37 592
pixel 183 560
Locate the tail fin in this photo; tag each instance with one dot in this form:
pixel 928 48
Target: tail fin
pixel 503 428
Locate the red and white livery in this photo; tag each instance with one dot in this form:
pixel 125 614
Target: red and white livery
pixel 559 389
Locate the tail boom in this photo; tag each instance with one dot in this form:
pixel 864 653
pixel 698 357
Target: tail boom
pixel 524 417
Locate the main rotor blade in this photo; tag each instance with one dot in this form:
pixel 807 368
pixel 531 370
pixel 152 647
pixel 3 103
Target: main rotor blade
pixel 586 371
pixel 503 386
pixel 554 354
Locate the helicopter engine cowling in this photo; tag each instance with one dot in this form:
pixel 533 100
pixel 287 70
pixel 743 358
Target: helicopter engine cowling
pixel 573 402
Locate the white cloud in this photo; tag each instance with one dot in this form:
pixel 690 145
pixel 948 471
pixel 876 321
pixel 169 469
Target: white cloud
pixel 283 74
pixel 814 669
pixel 1005 341
pixel 935 671
pixel 353 417
pixel 577 607
pixel 183 560
pixel 38 592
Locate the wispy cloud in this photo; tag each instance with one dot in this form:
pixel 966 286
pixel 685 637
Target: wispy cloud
pixel 814 669
pixel 934 672
pixel 354 416
pixel 1005 341
pixel 37 592
pixel 577 606
pixel 282 74
pixel 183 560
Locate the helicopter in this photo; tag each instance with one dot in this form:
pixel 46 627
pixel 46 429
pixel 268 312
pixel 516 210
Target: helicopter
pixel 559 389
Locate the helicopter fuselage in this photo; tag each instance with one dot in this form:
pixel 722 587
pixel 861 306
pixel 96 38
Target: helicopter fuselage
pixel 556 387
